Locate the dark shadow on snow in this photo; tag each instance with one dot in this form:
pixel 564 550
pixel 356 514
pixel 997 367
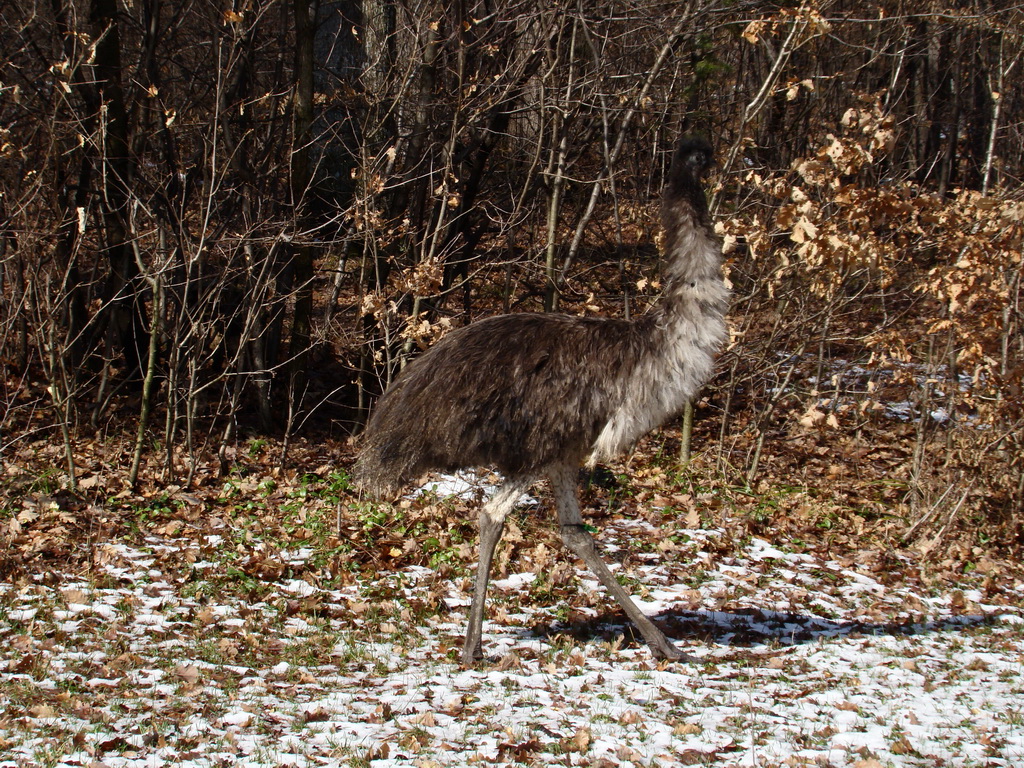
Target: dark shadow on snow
pixel 747 627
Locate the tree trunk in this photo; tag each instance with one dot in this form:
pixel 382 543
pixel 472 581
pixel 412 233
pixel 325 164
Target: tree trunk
pixel 123 301
pixel 306 12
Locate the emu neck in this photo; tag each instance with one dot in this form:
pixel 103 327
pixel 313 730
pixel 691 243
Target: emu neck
pixel 694 293
pixel 693 258
pixel 675 343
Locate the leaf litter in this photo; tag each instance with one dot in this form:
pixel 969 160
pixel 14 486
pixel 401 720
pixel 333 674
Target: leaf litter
pixel 182 648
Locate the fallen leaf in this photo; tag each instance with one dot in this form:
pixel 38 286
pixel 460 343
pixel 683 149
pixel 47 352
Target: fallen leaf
pixel 89 482
pixel 74 597
pixel 187 673
pixel 578 742
pixel 687 729
pixel 426 719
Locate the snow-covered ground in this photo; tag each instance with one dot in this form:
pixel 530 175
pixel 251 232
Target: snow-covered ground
pixel 804 660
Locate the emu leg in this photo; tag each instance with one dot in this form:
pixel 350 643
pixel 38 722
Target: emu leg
pixel 578 539
pixel 492 523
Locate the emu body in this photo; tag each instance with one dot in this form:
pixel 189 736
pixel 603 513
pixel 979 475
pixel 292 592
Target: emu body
pixel 538 395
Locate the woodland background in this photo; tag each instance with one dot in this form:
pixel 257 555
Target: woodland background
pixel 225 224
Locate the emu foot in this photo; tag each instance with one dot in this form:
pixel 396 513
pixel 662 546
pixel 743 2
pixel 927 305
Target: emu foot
pixel 472 653
pixel 663 649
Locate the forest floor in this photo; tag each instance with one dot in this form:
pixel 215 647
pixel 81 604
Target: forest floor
pixel 281 621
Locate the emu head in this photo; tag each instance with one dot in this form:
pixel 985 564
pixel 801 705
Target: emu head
pixel 693 157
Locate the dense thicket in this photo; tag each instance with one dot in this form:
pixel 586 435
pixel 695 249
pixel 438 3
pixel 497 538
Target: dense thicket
pixel 224 212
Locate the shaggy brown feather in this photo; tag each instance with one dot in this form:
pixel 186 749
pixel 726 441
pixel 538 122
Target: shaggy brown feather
pixel 521 392
pixel 507 392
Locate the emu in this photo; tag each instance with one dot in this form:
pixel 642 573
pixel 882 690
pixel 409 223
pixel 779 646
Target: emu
pixel 538 395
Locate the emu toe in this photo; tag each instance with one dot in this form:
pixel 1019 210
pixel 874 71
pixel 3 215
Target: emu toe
pixel 669 652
